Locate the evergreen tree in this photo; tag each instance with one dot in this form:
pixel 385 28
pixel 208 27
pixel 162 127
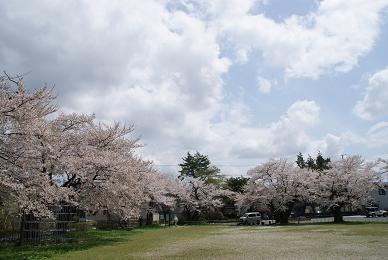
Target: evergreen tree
pixel 300 161
pixel 199 166
pixel 320 163
pixel 236 184
pixel 310 163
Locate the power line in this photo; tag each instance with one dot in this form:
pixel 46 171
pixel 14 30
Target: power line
pixel 217 165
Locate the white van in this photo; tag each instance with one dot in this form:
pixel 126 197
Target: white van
pixel 250 218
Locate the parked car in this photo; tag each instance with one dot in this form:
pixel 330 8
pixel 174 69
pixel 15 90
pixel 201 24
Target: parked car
pixel 375 212
pixel 250 218
pixel 265 220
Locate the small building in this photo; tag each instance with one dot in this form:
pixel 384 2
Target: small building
pixel 149 214
pixel 152 213
pixel 380 196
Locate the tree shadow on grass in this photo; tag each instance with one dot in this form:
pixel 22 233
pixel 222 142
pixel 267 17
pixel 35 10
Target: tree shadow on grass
pixel 76 242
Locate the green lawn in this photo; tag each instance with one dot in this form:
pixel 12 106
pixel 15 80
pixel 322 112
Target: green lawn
pixel 325 241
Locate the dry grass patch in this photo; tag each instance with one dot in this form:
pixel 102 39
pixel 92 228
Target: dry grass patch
pixel 346 241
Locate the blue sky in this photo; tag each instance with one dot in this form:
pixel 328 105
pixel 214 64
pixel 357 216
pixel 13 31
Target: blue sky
pixel 240 80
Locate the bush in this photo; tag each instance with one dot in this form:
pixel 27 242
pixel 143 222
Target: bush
pixel 103 224
pixel 215 215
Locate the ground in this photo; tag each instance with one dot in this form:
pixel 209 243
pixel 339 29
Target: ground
pixel 319 241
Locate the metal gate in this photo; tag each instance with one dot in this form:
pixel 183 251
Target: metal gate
pixel 28 229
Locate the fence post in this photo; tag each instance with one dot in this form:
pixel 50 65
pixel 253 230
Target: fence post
pixel 21 234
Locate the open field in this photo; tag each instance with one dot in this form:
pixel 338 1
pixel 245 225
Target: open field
pixel 325 241
pixel 356 218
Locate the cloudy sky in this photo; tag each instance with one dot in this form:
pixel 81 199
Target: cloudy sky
pixel 239 80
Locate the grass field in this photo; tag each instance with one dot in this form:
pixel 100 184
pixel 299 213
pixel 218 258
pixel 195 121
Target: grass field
pixel 326 241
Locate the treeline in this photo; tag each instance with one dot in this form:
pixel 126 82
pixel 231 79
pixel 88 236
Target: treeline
pixel 48 158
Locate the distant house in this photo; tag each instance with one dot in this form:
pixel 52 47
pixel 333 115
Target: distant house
pixel 380 196
pixel 151 213
pixel 157 213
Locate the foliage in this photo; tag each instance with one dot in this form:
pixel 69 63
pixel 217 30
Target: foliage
pixel 322 163
pixel 347 182
pixel 199 198
pixel 46 159
pixel 278 185
pixel 199 191
pixel 24 150
pixel 318 164
pixel 198 166
pixel 236 184
pixel 300 161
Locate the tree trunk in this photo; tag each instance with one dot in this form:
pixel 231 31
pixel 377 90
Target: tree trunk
pixel 338 218
pixel 283 217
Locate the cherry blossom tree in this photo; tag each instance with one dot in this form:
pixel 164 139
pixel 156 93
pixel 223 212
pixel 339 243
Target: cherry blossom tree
pixel 348 182
pixel 23 154
pixel 199 198
pixel 278 185
pixel 46 160
pixel 200 188
pixel 101 167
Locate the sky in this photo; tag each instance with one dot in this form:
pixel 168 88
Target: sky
pixel 241 81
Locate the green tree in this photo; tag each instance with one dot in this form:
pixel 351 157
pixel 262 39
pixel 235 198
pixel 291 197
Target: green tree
pixel 322 163
pixel 300 161
pixel 319 164
pixel 199 166
pixel 310 163
pixel 236 184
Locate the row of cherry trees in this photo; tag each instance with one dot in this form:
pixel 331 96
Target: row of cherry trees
pixel 47 158
pixel 278 185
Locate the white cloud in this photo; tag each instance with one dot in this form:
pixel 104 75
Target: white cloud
pixel 377 135
pixel 375 101
pixel 304 113
pixel 241 56
pixel 235 140
pixel 332 38
pixel 264 85
pixel 162 71
pixel 331 145
pixel 162 68
pixel 281 138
